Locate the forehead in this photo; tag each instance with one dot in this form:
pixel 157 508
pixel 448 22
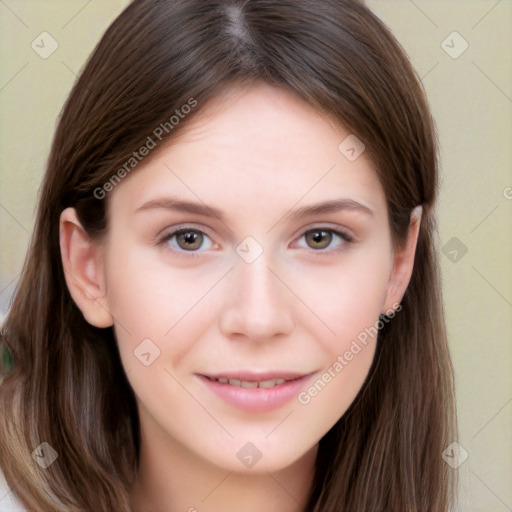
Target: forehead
pixel 256 144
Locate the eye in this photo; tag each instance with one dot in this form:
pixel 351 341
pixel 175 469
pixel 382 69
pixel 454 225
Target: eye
pixel 189 240
pixel 322 238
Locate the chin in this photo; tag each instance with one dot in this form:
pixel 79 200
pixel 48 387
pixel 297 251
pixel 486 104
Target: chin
pixel 249 459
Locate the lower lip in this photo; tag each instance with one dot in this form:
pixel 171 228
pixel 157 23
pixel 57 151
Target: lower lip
pixel 256 399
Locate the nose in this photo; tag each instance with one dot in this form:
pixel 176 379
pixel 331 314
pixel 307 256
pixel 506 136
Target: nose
pixel 258 306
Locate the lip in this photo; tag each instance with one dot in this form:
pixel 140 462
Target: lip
pixel 256 399
pixel 258 375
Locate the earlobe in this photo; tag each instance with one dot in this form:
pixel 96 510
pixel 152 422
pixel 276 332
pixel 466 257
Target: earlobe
pixel 403 263
pixel 82 261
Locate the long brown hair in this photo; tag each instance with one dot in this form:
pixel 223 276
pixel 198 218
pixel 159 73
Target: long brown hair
pixel 68 387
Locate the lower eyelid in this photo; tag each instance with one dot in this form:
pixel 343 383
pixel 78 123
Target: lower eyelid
pixel 344 241
pixel 346 237
pixel 164 240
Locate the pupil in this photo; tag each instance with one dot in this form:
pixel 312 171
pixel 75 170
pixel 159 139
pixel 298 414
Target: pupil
pixel 190 240
pixel 320 239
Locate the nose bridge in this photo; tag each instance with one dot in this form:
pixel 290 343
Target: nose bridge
pixel 258 306
pixel 257 287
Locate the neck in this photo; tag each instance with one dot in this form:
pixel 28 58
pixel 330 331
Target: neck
pixel 171 478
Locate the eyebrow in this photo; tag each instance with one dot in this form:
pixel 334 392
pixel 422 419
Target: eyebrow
pixel 335 205
pixel 294 214
pixel 169 203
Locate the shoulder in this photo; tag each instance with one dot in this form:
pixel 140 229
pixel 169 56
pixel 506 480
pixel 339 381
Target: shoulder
pixel 8 502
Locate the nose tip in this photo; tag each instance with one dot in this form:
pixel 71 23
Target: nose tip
pixel 257 306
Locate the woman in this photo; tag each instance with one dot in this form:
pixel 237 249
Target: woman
pixel 231 300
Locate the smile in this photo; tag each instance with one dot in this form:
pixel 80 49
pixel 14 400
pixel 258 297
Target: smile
pixel 248 384
pixel 256 393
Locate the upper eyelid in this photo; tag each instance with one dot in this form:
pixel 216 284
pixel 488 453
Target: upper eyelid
pixel 343 233
pixel 164 238
pixel 173 230
pixel 326 226
pixel 340 233
pixel 193 227
pixel 168 233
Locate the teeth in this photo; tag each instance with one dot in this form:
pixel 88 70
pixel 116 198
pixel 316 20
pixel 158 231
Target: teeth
pixel 266 384
pixel 247 384
pixel 271 383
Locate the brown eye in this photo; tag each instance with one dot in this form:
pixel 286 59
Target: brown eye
pixel 318 238
pixel 189 240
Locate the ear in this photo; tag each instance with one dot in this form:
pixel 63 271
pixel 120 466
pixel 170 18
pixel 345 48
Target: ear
pixel 82 260
pixel 403 262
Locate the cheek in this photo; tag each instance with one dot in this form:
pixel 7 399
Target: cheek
pixel 332 392
pixel 350 307
pixel 158 317
pixel 149 299
pixel 348 301
pixel 347 298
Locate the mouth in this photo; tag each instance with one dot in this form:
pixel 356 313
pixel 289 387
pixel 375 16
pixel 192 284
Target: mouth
pixel 251 384
pixel 256 391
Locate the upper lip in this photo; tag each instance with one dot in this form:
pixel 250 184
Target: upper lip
pixel 252 376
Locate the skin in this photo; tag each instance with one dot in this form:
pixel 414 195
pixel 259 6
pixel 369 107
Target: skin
pixel 259 155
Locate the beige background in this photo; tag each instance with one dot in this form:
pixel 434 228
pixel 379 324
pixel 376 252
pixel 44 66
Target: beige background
pixel 471 99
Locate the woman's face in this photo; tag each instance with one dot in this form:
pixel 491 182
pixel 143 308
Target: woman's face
pixel 245 270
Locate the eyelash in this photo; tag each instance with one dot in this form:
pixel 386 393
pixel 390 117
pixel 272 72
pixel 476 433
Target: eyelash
pixel 343 235
pixel 180 252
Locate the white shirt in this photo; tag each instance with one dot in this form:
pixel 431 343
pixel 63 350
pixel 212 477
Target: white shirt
pixel 8 502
